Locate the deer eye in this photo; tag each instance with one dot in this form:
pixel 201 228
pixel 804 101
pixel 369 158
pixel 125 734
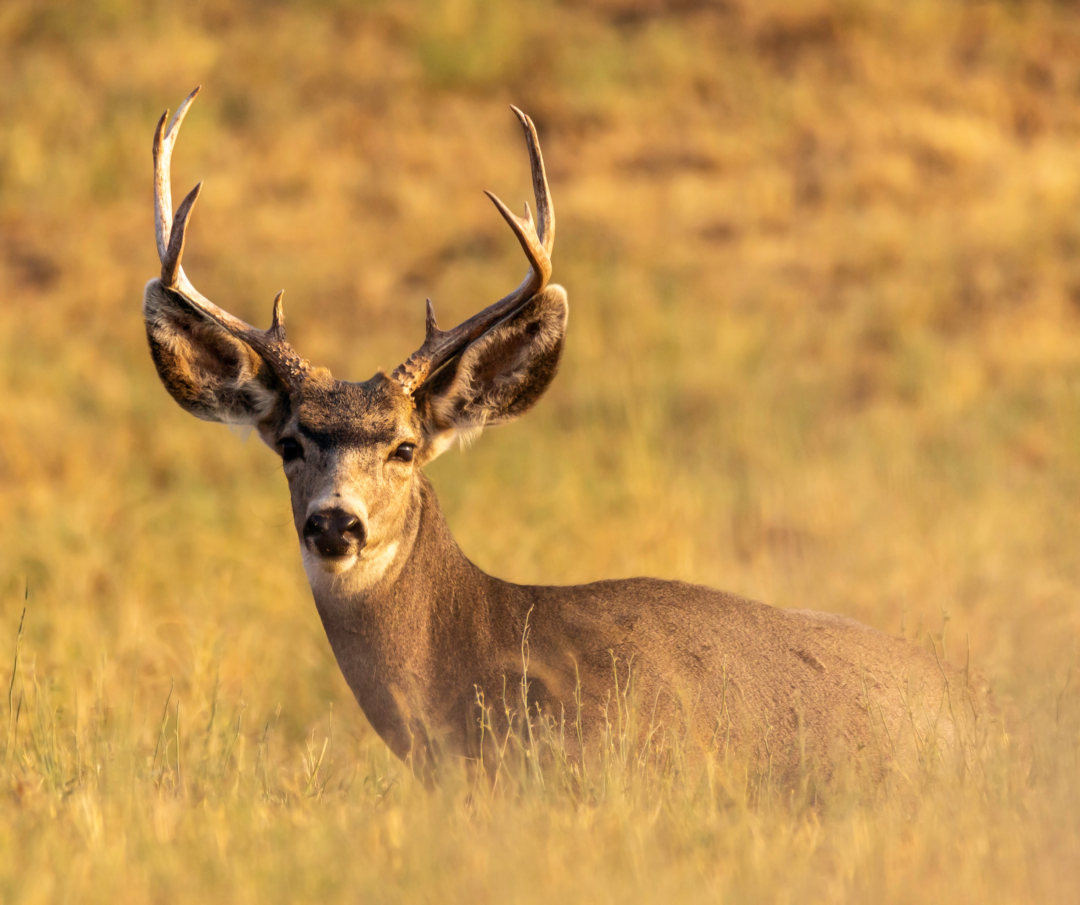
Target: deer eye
pixel 404 452
pixel 291 450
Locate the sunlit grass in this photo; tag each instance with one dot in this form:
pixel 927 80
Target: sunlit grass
pixel 824 351
pixel 140 798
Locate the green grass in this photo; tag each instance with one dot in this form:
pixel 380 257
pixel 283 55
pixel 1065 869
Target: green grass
pixel 824 351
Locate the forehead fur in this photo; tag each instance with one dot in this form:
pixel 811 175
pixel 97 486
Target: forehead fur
pixel 335 412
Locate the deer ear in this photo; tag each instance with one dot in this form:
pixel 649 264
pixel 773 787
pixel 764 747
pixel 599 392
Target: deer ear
pixel 210 373
pixel 499 376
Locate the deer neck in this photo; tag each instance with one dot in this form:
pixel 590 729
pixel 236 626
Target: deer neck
pixel 427 624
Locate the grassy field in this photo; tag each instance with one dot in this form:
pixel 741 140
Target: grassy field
pixel 824 270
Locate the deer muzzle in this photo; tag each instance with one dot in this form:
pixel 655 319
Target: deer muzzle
pixel 335 533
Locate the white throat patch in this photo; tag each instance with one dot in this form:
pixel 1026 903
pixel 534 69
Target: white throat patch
pixel 344 578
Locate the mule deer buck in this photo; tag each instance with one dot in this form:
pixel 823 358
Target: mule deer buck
pixel 424 637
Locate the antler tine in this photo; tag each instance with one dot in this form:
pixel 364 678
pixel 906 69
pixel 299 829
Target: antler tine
pixel 171 235
pixel 537 241
pixel 164 140
pixel 525 230
pixel 544 211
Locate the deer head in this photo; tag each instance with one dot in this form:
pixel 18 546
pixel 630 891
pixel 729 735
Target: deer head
pixel 352 452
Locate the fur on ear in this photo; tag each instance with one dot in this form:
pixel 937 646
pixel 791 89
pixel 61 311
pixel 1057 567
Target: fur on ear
pixel 211 374
pixel 502 374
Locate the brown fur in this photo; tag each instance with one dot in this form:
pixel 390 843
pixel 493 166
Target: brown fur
pixel 420 633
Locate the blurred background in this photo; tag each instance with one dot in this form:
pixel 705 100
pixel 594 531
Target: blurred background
pixel 823 261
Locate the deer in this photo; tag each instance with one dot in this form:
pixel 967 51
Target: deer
pixel 428 642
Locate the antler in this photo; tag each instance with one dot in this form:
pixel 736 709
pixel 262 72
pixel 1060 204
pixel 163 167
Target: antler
pixel 537 242
pixel 270 344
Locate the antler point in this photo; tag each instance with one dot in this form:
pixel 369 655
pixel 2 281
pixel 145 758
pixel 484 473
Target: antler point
pixel 507 214
pixel 431 328
pixel 277 320
pixel 159 133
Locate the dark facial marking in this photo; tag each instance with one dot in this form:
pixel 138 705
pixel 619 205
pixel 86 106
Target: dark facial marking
pixel 354 414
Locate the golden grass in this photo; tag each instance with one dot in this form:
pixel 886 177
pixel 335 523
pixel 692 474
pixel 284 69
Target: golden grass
pixel 824 351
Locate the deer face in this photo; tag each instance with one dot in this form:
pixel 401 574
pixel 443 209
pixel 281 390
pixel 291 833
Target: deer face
pixel 352 451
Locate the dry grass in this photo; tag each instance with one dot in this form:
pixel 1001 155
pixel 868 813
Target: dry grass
pixel 824 351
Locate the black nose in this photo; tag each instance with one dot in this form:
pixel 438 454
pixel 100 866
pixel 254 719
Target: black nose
pixel 335 532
